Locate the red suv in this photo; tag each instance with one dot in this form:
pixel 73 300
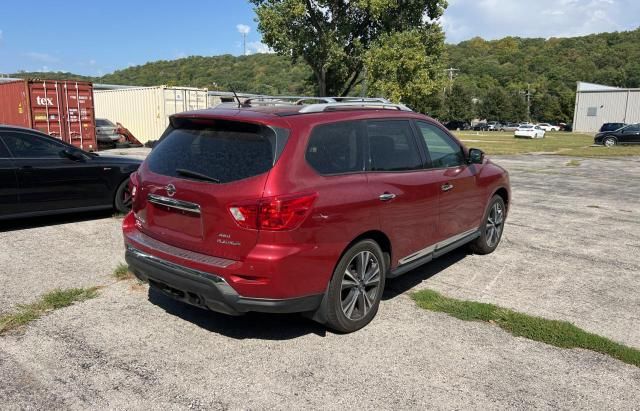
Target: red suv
pixel 306 208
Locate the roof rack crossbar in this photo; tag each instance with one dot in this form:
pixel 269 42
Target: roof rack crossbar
pixel 319 108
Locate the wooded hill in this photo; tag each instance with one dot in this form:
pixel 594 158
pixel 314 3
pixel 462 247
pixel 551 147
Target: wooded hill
pixel 492 78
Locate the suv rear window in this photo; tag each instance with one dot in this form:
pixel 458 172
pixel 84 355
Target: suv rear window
pixel 223 150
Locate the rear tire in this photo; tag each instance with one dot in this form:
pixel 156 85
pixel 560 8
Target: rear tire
pixel 355 291
pixel 609 142
pixel 122 201
pixel 491 229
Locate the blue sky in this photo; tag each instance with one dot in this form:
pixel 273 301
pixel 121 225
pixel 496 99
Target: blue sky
pixel 95 38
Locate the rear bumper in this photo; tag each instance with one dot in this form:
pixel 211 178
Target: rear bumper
pixel 207 290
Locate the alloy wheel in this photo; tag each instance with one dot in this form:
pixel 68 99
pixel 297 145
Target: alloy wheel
pixel 360 285
pixel 609 142
pixel 494 225
pixel 127 199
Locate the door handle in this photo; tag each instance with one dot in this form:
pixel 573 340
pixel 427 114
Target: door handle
pixel 387 197
pixel 446 187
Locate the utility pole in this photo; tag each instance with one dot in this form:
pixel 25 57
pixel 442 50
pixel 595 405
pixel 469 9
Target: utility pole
pixel 451 72
pixel 244 43
pixel 528 95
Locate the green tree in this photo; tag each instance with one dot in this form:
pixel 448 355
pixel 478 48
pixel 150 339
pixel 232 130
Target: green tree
pixel 460 102
pixel 407 66
pixel 332 36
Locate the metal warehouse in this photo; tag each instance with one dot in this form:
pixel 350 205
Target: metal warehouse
pixel 597 104
pixel 145 111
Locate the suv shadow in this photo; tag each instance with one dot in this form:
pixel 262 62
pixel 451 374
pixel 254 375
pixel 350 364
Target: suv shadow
pixel 289 326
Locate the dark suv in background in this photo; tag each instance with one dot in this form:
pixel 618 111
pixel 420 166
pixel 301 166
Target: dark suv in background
pixel 626 135
pixel 306 208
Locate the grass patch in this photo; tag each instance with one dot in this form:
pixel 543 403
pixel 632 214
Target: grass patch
pixel 566 144
pixel 573 163
pixel 122 272
pixel 557 333
pixel 50 301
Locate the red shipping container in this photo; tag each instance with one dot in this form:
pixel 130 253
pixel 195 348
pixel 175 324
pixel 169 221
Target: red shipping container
pixel 60 108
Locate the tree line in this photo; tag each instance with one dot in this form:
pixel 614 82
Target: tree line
pixel 491 82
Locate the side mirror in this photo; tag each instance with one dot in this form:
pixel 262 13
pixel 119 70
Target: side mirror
pixel 72 155
pixel 476 156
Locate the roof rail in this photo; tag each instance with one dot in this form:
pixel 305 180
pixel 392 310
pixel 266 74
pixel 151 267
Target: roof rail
pixel 319 108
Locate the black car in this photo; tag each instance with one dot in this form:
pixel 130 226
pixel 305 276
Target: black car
pixel 626 135
pixel 481 127
pixel 42 175
pixel 457 125
pixel 611 127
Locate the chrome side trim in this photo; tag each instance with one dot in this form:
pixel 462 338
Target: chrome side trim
pixel 417 254
pixel 154 244
pixel 435 247
pixel 173 203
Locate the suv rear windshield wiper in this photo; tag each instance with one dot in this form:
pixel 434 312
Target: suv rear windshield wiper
pixel 195 174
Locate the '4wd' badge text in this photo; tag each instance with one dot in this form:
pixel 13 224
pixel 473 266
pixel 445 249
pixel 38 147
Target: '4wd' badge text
pixel 44 101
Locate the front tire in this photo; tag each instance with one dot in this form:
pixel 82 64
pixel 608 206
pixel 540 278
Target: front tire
pixel 123 200
pixel 492 228
pixel 609 142
pixel 356 288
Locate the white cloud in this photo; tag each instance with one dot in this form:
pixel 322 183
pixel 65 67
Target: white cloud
pixel 258 47
pixel 243 28
pixel 492 19
pixel 41 57
pixel 92 62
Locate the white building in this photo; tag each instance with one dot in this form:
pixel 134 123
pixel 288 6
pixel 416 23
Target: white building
pixel 597 104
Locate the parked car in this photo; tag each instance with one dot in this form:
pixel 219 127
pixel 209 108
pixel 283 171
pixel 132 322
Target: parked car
pixel 480 127
pixel 548 127
pixel 611 127
pixel 106 131
pixel 457 125
pixel 529 131
pixel 629 134
pixel 509 127
pixel 566 127
pixel 493 126
pixel 42 175
pixel 306 208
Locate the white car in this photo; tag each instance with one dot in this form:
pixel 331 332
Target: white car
pixel 529 131
pixel 548 127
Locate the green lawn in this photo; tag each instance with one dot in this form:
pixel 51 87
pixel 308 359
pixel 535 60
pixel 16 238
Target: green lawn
pixel 566 144
pixel 557 333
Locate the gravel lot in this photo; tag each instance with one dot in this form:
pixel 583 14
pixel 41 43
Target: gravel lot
pixel 571 251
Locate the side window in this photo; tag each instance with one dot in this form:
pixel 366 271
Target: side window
pixel 634 128
pixel 4 153
pixel 336 148
pixel 25 145
pixel 444 152
pixel 392 146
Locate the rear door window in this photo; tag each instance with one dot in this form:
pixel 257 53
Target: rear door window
pixel 336 148
pixel 443 151
pixel 392 146
pixel 222 150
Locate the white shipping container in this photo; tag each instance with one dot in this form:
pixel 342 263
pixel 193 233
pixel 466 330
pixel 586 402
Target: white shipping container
pixel 145 111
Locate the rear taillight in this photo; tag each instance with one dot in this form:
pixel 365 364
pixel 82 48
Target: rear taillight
pixel 134 182
pixel 273 213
